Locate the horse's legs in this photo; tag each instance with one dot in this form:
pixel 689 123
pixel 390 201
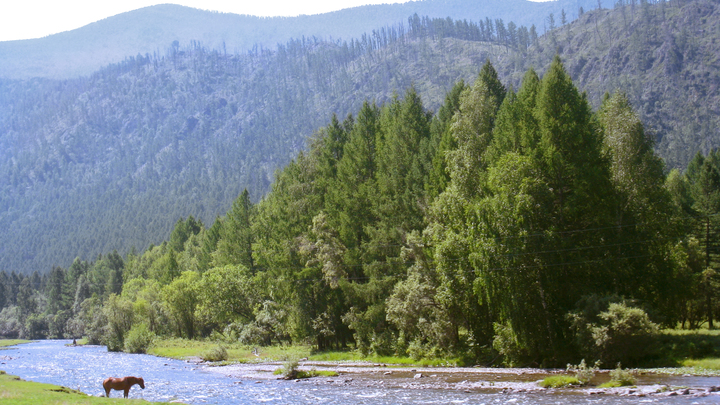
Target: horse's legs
pixel 127 390
pixel 107 392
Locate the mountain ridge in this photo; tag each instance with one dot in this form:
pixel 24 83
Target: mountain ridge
pixel 152 29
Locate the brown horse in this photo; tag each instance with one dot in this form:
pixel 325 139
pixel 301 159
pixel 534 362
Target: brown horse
pixel 124 384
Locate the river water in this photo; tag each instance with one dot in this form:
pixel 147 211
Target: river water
pixel 84 368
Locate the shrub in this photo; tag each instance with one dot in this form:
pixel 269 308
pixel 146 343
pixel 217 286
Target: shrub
pixel 625 334
pixel 138 339
pixel 613 331
pixel 583 373
pixel 113 343
pixel 619 378
pixel 217 353
pixel 289 370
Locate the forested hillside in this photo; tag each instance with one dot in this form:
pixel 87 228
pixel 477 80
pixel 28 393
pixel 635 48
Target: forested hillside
pixel 515 227
pixel 663 55
pixel 111 161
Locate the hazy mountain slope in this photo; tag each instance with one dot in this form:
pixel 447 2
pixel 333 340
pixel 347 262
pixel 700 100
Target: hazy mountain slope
pixel 666 57
pixel 153 29
pixel 113 160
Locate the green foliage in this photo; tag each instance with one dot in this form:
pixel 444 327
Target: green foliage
pixel 289 369
pixel 216 353
pixel 119 314
pixel 619 378
pixel 138 339
pixel 707 364
pixel 181 297
pixel 506 343
pixel 584 373
pixel 618 332
pixel 624 333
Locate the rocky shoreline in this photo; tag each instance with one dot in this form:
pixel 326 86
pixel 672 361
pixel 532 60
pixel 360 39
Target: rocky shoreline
pixel 481 380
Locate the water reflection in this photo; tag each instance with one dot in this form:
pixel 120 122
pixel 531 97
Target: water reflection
pixel 84 368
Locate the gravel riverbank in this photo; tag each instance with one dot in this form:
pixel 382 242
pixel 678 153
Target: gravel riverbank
pixel 487 380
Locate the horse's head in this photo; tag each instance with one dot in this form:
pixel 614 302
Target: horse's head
pixel 141 382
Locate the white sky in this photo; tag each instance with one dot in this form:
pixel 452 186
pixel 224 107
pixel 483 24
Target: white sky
pixel 24 19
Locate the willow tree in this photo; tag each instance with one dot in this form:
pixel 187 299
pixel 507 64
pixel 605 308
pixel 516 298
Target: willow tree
pixel 535 199
pixel 452 228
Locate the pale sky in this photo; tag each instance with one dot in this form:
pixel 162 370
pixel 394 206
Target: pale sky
pixel 25 19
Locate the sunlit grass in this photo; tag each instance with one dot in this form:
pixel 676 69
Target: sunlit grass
pixel 309 373
pixel 708 364
pixel 686 332
pixel 350 356
pixel 12 342
pixel 236 353
pixel 559 381
pixel 184 349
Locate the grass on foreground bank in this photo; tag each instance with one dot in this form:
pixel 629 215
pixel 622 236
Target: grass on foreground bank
pixel 19 392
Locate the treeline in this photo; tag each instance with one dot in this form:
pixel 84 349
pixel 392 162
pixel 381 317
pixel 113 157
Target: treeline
pixel 518 223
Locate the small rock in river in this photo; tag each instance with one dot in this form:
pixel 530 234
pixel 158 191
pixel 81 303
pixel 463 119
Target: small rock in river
pixel 387 373
pixel 419 375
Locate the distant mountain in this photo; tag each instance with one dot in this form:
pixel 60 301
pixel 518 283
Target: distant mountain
pixel 113 160
pixel 152 29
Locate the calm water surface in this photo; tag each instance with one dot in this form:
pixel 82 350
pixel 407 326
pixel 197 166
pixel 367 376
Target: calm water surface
pixel 85 367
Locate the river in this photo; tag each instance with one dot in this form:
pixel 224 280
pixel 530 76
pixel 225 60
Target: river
pixel 84 368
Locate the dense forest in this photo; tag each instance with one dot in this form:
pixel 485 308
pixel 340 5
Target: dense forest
pixel 111 161
pixel 521 223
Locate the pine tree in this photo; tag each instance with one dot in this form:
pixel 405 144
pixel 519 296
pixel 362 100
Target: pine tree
pixel 234 245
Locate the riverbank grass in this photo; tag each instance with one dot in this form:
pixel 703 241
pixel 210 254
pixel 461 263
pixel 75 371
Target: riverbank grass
pixel 706 364
pixel 184 349
pixel 12 342
pixel 15 391
pixel 559 381
pixel 351 356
